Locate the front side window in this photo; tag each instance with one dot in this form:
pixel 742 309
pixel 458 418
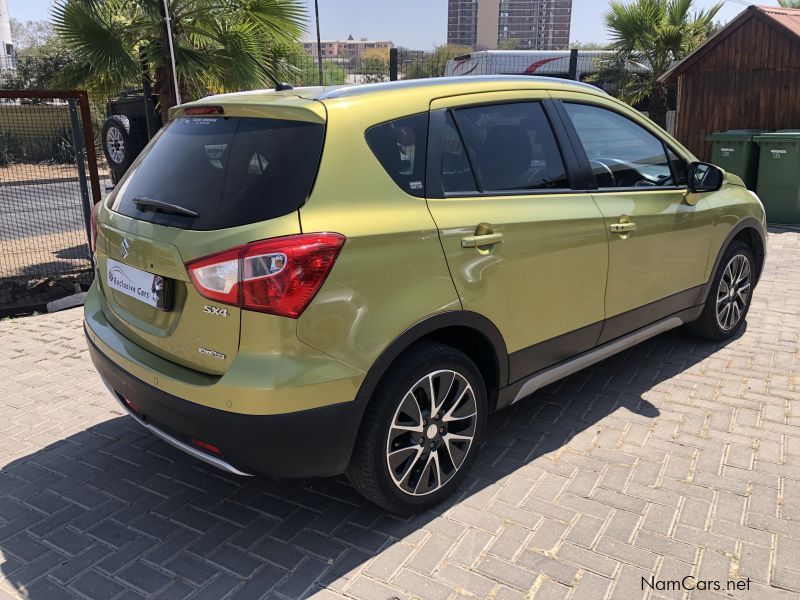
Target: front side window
pixel 400 147
pixel 621 153
pixel 512 147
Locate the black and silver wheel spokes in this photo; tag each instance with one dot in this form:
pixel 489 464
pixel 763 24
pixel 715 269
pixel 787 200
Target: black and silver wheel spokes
pixel 733 292
pixel 431 432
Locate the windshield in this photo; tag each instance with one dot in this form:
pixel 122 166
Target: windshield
pixel 228 171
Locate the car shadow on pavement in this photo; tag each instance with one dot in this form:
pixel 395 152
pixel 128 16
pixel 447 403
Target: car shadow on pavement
pixel 112 509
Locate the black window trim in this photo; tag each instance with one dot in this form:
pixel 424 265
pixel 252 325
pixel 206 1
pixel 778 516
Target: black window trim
pixel 433 178
pixel 583 160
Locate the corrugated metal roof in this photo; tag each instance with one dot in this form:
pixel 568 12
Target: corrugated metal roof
pixel 787 19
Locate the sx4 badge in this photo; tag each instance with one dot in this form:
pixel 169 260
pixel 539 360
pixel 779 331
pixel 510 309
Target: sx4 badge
pixel 215 310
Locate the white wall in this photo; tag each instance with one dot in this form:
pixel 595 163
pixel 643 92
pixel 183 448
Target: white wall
pixel 5 28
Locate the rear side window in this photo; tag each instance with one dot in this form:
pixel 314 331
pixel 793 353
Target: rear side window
pixel 231 171
pixel 512 147
pixel 400 147
pixel 456 171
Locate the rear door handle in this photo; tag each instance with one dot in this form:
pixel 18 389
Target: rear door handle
pixel 488 239
pixel 622 227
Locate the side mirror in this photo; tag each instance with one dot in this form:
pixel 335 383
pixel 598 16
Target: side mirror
pixel 705 177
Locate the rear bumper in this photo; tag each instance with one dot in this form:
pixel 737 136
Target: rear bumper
pixel 286 415
pixel 308 443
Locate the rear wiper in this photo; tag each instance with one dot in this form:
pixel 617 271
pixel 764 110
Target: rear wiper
pixel 143 203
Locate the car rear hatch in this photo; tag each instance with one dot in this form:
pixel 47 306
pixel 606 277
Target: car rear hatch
pixel 224 173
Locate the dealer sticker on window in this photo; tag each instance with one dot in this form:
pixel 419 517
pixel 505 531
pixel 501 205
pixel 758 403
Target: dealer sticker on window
pixel 145 287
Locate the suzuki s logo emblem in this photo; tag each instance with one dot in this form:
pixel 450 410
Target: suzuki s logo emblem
pixel 123 247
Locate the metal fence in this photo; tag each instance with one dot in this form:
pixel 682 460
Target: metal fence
pixel 588 66
pixel 48 183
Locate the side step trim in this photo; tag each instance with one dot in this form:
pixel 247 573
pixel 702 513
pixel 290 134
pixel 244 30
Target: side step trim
pixel 176 443
pixel 587 359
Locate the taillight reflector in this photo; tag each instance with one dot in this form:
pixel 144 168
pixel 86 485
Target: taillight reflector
pixel 206 446
pixel 132 405
pixel 278 276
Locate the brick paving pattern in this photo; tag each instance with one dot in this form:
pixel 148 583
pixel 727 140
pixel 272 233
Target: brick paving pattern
pixel 676 458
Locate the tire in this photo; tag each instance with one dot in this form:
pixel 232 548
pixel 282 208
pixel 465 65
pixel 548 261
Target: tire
pixel 716 323
pixel 117 144
pixel 408 480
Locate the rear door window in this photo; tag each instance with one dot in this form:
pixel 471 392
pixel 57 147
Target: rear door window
pixel 512 147
pixel 400 147
pixel 231 171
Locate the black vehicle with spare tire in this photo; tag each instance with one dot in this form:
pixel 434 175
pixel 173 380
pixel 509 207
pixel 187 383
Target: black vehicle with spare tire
pixel 132 121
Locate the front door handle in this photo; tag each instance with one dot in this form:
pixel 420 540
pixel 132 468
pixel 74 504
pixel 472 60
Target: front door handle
pixel 488 239
pixel 622 227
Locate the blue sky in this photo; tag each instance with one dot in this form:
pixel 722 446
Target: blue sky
pixel 413 23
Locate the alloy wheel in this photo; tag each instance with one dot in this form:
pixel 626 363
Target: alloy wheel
pixel 733 292
pixel 431 432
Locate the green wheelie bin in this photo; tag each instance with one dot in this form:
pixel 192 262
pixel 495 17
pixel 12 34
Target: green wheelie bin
pixel 779 175
pixel 736 152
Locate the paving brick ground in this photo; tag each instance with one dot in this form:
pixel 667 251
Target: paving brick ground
pixel 676 458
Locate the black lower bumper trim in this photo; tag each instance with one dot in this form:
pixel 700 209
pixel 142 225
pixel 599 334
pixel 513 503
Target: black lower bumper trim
pixel 308 443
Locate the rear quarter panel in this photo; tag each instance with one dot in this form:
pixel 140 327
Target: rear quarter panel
pixel 391 272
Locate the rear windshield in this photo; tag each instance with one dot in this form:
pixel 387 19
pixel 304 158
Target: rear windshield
pixel 229 170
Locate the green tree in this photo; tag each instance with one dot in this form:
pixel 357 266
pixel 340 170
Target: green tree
pixel 578 45
pixel 434 64
pixel 509 44
pixel 789 3
pixel 220 45
pixel 40 67
pixel 656 33
pixel 29 34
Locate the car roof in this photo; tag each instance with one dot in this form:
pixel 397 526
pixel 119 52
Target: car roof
pixel 434 87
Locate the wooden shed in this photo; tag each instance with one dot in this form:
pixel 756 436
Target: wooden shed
pixel 746 76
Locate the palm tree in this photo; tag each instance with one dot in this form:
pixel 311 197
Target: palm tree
pixel 220 45
pixel 789 3
pixel 658 33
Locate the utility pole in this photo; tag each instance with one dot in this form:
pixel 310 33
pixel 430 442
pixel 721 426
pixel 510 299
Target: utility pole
pixel 319 43
pixel 168 21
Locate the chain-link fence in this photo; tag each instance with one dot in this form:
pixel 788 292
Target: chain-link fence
pixel 48 182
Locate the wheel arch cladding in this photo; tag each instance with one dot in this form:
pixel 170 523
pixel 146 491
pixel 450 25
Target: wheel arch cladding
pixel 467 331
pixel 749 231
pixel 752 238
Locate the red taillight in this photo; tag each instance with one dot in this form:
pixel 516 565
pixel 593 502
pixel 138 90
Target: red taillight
pixel 278 276
pixel 93 224
pixel 206 446
pixel 203 110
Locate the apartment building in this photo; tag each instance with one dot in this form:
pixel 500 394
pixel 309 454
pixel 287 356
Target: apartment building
pixel 7 58
pixel 520 24
pixel 349 48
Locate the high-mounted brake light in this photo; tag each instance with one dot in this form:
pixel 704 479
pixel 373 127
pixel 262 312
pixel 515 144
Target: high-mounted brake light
pixel 93 225
pixel 203 110
pixel 279 275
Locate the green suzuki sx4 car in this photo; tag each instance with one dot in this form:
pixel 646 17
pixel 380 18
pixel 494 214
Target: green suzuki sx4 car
pixel 317 281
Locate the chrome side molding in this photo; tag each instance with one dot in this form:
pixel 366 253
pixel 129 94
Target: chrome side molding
pixel 176 443
pixel 587 359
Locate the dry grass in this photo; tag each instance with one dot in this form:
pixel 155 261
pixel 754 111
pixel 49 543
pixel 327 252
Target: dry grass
pixel 22 172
